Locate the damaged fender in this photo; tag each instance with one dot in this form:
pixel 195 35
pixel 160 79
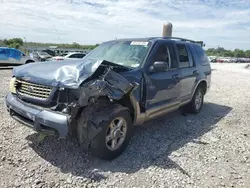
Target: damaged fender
pixel 111 85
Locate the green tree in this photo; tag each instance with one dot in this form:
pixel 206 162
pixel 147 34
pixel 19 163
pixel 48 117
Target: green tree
pixel 75 45
pixel 247 53
pixel 228 53
pixel 13 43
pixel 239 53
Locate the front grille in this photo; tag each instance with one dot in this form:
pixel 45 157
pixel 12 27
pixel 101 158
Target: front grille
pixel 33 90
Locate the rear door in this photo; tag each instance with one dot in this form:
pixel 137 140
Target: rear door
pixel 188 71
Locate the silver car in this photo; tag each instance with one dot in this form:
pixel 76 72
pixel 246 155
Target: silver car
pixel 72 56
pixel 11 56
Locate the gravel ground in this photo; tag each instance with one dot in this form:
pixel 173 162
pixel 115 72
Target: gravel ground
pixel 211 149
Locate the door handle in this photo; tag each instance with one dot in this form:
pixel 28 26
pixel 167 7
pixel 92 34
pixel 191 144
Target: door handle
pixel 195 72
pixel 176 76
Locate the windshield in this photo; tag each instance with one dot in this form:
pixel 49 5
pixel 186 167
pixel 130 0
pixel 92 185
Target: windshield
pixel 126 53
pixel 42 53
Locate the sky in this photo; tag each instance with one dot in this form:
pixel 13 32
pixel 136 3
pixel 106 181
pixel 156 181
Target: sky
pixel 224 23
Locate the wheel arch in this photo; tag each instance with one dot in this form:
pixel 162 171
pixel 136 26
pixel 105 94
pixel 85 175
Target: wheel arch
pixel 29 61
pixel 203 84
pixel 128 101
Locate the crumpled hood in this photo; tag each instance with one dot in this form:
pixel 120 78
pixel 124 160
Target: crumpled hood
pixel 67 73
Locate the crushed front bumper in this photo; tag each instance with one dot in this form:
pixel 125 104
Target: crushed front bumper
pixel 41 120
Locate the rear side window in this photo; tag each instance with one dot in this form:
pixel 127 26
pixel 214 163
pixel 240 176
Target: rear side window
pixel 81 55
pixel 182 54
pixel 73 56
pixel 201 55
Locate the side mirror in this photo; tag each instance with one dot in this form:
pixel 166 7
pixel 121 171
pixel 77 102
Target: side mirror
pixel 159 66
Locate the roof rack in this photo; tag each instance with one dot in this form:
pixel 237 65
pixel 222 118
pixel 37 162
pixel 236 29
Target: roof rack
pixel 186 40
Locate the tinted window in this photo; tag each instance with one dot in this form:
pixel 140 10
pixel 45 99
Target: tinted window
pixel 73 56
pixel 81 55
pixel 183 56
pixel 201 55
pixel 163 54
pixel 42 53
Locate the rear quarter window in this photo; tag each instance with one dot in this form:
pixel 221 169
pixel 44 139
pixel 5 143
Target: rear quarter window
pixel 201 56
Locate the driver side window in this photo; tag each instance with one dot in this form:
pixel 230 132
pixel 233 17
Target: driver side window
pixel 163 54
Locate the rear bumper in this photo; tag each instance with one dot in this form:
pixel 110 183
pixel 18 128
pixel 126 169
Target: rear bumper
pixel 41 120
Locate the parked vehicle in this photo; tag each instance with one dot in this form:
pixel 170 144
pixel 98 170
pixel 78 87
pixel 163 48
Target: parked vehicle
pixel 220 60
pixel 212 59
pixel 12 56
pixel 118 84
pixel 73 55
pixel 41 56
pixel 50 52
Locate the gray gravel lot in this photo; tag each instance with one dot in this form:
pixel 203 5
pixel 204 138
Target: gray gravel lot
pixel 211 149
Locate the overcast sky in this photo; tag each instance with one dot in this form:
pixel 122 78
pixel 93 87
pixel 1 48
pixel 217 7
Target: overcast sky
pixel 223 23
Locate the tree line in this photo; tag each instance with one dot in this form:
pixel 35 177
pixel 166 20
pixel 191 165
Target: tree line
pixel 18 43
pixel 227 53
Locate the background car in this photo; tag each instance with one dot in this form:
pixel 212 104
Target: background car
pixel 72 55
pixel 12 56
pixel 41 56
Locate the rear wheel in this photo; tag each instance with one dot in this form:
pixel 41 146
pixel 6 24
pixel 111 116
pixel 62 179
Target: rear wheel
pixel 196 103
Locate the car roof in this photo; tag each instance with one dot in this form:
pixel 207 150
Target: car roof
pixel 10 49
pixel 155 39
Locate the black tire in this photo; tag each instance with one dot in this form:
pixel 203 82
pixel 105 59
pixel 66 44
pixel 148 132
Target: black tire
pixel 105 116
pixel 192 107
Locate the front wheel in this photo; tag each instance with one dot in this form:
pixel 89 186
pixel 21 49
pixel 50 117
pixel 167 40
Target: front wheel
pixel 116 130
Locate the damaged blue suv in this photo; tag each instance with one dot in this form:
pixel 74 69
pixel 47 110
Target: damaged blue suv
pixel 119 84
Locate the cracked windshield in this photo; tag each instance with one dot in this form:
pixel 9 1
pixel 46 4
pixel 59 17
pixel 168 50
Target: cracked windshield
pixel 126 53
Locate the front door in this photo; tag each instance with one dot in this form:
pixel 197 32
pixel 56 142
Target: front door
pixel 162 88
pixel 15 56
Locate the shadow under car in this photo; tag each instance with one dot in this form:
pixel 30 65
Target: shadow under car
pixel 154 140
